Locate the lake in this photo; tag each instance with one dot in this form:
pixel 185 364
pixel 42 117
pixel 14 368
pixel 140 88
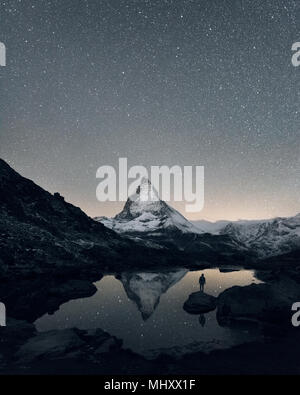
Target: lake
pixel 145 310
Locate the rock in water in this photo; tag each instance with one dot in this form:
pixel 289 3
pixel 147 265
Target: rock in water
pixel 49 345
pixel 258 302
pixel 199 303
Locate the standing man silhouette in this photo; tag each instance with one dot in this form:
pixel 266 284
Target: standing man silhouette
pixel 202 282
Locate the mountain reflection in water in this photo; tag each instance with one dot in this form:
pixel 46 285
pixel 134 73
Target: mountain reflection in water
pixel 145 310
pixel 145 289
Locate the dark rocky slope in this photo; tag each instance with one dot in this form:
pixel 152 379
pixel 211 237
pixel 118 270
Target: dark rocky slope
pixel 41 233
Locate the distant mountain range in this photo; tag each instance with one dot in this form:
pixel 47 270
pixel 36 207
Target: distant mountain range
pixel 267 238
pixel 216 227
pixel 42 233
pixel 154 220
pixel 148 220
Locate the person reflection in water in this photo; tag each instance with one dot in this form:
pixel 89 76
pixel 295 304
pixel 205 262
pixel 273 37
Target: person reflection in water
pixel 202 320
pixel 202 282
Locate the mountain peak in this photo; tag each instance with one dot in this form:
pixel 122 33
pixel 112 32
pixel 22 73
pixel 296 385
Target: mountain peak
pixel 144 201
pixel 144 212
pixel 144 182
pixel 145 192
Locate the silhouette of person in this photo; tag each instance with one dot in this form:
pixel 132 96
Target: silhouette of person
pixel 202 282
pixel 202 320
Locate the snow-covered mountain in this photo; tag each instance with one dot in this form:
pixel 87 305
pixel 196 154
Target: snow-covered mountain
pixel 215 228
pixel 145 289
pixel 211 227
pixel 153 223
pixel 146 213
pixel 267 238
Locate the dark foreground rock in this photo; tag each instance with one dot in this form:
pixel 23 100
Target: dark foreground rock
pixel 49 345
pixel 31 298
pixel 67 344
pixel 266 303
pixel 15 333
pixel 21 345
pixel 12 337
pixel 199 303
pixel 75 352
pixel 229 269
pixel 72 289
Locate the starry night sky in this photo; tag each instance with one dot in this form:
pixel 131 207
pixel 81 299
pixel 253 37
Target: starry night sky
pixel 161 82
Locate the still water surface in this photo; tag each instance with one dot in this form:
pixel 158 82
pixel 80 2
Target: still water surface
pixel 145 310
